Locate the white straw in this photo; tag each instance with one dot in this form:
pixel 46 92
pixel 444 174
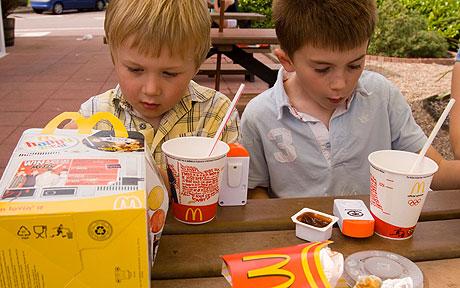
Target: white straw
pixel 432 135
pixel 225 120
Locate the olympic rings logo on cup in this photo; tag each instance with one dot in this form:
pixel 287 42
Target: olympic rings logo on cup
pixel 414 202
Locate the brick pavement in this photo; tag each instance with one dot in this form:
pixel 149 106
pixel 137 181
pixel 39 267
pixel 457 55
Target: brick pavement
pixel 42 77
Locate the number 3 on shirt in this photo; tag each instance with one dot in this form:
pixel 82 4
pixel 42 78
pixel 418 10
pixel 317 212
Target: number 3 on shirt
pixel 283 139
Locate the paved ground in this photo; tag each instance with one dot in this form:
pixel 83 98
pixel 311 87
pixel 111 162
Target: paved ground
pixel 42 77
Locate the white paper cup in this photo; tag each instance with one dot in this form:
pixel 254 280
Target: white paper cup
pixel 397 196
pixel 195 178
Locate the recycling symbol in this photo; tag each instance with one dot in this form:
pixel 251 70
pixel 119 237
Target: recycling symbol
pixel 23 232
pixel 100 230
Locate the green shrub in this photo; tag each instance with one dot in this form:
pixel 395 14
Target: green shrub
pixel 402 32
pixel 442 16
pixel 258 6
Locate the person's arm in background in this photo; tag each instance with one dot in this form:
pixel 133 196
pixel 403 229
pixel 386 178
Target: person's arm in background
pixel 454 122
pixel 446 178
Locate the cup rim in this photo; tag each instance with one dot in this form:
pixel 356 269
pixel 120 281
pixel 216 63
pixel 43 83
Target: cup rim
pixel 380 167
pixel 164 148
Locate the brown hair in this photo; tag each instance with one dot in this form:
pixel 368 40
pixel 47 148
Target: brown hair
pixel 333 24
pixel 182 26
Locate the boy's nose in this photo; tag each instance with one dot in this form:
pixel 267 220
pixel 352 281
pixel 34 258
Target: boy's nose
pixel 338 82
pixel 152 87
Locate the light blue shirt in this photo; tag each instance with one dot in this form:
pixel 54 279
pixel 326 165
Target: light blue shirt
pixel 285 155
pixel 457 59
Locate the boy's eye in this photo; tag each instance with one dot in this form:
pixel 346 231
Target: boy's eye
pixel 135 70
pixel 355 67
pixel 170 74
pixel 322 70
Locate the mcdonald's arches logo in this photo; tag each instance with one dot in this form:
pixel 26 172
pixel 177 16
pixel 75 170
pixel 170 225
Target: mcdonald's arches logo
pixel 127 202
pixel 418 188
pixel 193 213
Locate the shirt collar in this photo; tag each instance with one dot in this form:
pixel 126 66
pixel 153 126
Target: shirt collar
pixel 281 97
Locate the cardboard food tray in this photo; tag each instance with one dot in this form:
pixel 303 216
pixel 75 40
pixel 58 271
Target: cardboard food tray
pixel 75 209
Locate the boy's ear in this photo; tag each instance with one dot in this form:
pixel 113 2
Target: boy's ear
pixel 284 59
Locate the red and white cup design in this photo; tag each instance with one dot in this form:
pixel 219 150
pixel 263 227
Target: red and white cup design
pixel 195 178
pixel 396 195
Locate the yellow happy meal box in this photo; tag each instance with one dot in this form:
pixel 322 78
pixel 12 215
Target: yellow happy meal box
pixel 80 208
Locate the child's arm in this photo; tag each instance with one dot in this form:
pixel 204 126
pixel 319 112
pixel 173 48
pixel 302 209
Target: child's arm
pixel 454 129
pixel 448 172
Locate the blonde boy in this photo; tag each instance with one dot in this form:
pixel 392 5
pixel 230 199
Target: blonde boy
pixel 157 47
pixel 311 134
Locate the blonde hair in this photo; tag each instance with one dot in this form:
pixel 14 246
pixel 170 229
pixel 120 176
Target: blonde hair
pixel 181 26
pixel 334 24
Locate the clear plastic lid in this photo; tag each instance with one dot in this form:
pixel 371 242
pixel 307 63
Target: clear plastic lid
pixel 386 265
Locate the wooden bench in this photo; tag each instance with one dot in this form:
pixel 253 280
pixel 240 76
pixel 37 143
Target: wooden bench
pixel 231 69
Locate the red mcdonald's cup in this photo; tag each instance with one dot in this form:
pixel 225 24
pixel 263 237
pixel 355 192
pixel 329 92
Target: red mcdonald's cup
pixel 195 178
pixel 397 195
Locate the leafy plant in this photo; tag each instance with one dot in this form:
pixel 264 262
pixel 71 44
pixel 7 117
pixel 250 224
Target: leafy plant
pixel 442 16
pixel 258 6
pixel 403 32
pixel 8 7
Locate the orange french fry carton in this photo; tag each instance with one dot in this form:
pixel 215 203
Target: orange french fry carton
pixel 301 266
pixel 80 208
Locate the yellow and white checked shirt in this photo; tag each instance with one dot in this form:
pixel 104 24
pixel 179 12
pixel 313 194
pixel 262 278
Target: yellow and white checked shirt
pixel 198 113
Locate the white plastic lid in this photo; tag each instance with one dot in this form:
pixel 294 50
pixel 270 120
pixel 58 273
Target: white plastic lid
pixel 383 264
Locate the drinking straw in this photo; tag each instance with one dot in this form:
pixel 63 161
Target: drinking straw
pixel 433 134
pixel 225 120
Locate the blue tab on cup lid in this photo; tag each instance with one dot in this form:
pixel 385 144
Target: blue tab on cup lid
pixel 383 264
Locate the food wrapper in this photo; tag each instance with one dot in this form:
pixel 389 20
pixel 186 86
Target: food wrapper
pixel 332 263
pixel 398 283
pixel 306 265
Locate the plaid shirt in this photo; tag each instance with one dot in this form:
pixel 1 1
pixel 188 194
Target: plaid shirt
pixel 198 113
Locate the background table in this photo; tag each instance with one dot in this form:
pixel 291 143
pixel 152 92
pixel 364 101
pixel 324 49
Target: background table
pixel 226 42
pixel 189 256
pixel 249 16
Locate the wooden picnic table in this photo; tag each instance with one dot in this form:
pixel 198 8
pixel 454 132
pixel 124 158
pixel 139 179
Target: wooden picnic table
pixel 189 256
pixel 229 41
pixel 248 16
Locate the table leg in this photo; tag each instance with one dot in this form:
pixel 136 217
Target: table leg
pixel 218 66
pixel 253 65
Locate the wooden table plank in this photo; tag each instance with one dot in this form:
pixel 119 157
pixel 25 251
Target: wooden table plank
pixel 441 273
pixel 210 282
pixel 243 36
pixel 198 255
pixel 438 273
pixel 239 16
pixel 275 214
